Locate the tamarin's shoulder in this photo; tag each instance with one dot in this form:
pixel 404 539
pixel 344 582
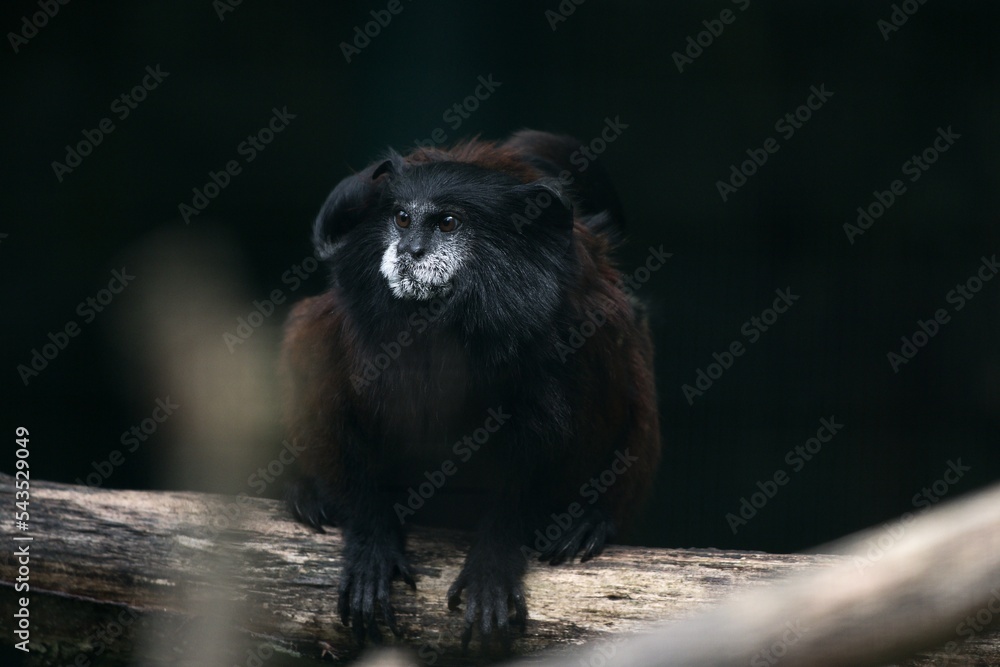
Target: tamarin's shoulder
pixel 311 314
pixel 314 326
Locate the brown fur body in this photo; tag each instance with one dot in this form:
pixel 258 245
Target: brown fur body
pixel 381 393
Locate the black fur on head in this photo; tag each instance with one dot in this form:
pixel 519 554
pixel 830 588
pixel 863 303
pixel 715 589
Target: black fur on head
pixel 349 203
pixel 498 277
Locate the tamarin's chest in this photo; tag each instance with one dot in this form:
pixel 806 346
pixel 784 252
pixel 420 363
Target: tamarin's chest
pixel 429 395
pixel 441 424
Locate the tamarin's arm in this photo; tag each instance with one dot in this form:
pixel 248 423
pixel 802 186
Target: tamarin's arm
pixel 339 483
pixel 373 546
pixel 492 576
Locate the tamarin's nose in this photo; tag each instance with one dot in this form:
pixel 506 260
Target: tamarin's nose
pixel 414 247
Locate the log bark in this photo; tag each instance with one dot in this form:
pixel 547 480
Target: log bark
pixel 133 575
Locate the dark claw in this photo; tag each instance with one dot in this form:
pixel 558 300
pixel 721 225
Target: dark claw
pixel 490 597
pixel 587 538
pixel 307 518
pixel 366 587
pixel 403 569
pixel 572 545
pixel 496 620
pixel 520 609
pixel 343 604
pixel 455 592
pixel 595 545
pixel 309 504
pixel 389 617
pixel 471 611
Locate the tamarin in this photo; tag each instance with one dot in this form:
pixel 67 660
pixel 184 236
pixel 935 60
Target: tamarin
pixel 476 358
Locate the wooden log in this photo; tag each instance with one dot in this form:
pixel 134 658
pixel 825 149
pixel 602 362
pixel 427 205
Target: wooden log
pixel 133 575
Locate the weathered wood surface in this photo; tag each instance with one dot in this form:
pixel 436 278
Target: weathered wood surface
pixel 122 573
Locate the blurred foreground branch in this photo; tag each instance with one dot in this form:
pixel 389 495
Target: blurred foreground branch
pixel 114 573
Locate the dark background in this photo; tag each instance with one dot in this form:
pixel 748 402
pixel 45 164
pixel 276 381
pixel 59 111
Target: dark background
pixel 825 358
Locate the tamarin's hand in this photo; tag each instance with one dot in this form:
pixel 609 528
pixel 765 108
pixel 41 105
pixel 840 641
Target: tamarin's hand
pixel 372 559
pixel 494 594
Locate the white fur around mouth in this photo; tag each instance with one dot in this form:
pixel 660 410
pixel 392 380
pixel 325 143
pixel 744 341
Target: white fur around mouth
pixel 422 280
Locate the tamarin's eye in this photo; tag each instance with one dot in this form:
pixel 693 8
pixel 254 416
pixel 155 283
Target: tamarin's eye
pixel 448 224
pixel 402 218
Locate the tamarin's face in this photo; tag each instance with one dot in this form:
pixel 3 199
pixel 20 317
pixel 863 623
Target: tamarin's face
pixel 427 241
pixel 430 215
pixel 398 234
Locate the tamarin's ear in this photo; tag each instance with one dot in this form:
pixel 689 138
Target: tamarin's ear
pixel 391 165
pixel 350 201
pixel 543 204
